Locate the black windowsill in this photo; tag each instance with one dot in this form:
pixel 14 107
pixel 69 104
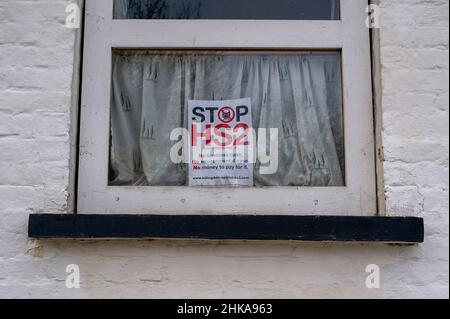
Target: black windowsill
pixel 243 227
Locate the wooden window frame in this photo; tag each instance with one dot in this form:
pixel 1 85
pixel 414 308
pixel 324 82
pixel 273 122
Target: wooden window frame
pixel 349 35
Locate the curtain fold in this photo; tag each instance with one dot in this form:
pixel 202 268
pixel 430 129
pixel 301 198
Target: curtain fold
pixel 299 94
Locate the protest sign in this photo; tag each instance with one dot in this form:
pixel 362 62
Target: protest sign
pixel 221 147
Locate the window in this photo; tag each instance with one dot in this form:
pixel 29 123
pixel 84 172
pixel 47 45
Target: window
pixel 304 67
pixel 298 93
pixel 229 9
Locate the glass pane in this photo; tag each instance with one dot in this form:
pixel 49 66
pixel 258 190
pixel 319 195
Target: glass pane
pixel 297 94
pixel 227 9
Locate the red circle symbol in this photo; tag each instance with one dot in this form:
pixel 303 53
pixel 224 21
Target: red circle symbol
pixel 226 114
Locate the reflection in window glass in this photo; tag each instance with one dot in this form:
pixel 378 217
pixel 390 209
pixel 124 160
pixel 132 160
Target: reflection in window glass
pixel 298 93
pixel 227 9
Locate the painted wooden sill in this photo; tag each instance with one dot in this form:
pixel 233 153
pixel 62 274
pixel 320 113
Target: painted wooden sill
pixel 408 230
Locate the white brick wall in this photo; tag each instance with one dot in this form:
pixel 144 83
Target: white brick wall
pixel 36 106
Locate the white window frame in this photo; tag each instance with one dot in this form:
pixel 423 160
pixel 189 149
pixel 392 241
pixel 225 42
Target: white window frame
pixel 349 35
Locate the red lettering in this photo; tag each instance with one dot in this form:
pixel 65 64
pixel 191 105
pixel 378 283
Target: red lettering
pixel 240 138
pixel 223 134
pixel 196 135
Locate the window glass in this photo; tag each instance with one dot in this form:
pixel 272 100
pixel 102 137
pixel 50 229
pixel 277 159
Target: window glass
pixel 297 93
pixel 227 9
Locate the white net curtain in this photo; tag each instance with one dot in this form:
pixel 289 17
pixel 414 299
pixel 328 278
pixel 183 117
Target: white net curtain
pixel 297 93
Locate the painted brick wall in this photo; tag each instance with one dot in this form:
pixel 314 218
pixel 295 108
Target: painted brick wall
pixel 37 59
